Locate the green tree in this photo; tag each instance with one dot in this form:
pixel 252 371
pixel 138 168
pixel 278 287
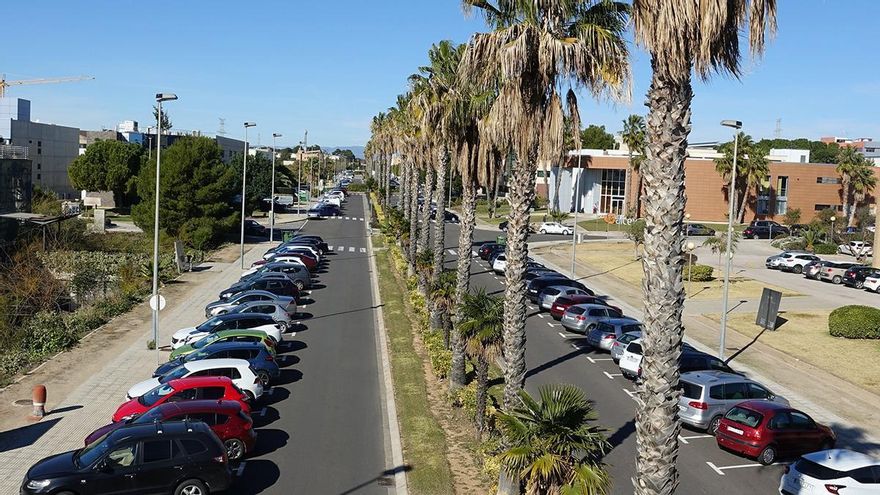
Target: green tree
pixel 752 167
pixel 792 216
pixel 554 446
pixel 861 181
pixel 346 154
pixel 259 179
pixel 595 137
pixel 166 120
pixel 718 244
pixel 108 166
pixel 848 164
pixel 633 137
pixel 196 193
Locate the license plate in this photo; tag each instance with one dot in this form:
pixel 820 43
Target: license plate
pixel 735 430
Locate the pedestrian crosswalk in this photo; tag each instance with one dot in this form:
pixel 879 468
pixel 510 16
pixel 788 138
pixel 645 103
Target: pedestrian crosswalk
pixel 350 249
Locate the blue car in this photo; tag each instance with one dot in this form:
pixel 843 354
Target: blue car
pixel 255 353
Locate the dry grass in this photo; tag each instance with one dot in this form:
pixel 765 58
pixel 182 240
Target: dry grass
pixel 805 337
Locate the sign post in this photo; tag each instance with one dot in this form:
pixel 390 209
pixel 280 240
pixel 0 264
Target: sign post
pixel 768 310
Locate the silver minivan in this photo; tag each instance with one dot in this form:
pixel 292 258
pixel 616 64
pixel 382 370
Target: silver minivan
pixel 707 395
pixel 549 295
pixel 581 318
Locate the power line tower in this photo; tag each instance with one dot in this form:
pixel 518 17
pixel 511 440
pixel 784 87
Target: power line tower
pixel 222 130
pixel 778 131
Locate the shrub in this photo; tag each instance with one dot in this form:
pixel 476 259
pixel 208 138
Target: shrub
pixel 441 358
pixel 855 322
pixel 701 273
pixel 824 249
pixel 47 334
pixel 11 362
pixel 789 243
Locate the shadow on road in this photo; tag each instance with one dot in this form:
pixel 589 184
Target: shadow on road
pixel 384 478
pixel 292 346
pixel 289 376
pixel 287 360
pixel 258 475
pixel 26 435
pixel 618 437
pixel 269 416
pixel 270 440
pixel 278 394
pixel 346 312
pixel 553 362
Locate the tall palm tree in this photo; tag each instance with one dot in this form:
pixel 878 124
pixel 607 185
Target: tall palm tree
pixel 752 168
pixel 849 163
pixel 481 325
pixel 553 445
pixel 681 36
pixel 862 182
pixel 443 296
pixel 533 49
pixel 633 136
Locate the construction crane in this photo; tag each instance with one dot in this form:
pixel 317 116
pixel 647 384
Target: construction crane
pixel 4 83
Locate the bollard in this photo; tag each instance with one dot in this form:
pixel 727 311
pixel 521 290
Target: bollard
pixel 39 401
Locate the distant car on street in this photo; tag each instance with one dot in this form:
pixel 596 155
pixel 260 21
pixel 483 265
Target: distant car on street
pixel 534 288
pixel 243 335
pixel 619 345
pixel 226 305
pixel 856 248
pixel 707 395
pixel 608 330
pixel 812 269
pixel 252 227
pixel 238 370
pixel 697 229
pixel 561 303
pixel 765 231
pixel 856 276
pixel 219 323
pixel 554 228
pixel 581 318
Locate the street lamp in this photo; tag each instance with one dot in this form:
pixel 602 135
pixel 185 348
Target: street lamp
pixel 577 194
pixel 272 208
pixel 160 97
pixel 689 247
pixel 243 188
pixel 731 196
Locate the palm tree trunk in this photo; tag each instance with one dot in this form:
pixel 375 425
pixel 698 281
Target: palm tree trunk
pixel 425 228
pixel 499 178
pixel 638 198
pixel 851 220
pixel 547 185
pixel 413 216
pixel 657 424
pixel 557 183
pixel 522 191
pixel 439 236
pixel 846 195
pixel 387 179
pixel 482 392
pixel 740 217
pixel 403 200
pixel 463 275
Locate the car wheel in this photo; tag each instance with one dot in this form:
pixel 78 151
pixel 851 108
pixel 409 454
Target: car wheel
pixel 250 396
pixel 543 231
pixel 299 285
pixel 836 280
pixel 713 425
pixel 768 455
pixel 235 449
pixel 566 232
pixel 798 269
pixel 263 376
pixel 860 285
pixel 191 487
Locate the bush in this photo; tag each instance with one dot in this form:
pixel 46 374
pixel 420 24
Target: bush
pixel 701 273
pixel 824 249
pixel 11 362
pixel 441 358
pixel 789 243
pixel 855 322
pixel 47 334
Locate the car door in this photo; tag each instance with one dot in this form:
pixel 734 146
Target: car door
pixel 116 472
pixel 784 435
pixel 161 462
pixel 807 434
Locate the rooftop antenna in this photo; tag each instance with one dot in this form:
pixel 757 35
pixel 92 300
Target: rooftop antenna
pixel 222 130
pixel 778 131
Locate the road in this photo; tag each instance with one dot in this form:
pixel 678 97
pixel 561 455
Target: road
pixel 322 430
pixel 555 356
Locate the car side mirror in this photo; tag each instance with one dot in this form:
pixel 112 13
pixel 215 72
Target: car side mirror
pixel 103 466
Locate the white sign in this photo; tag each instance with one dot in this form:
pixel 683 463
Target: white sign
pixel 161 302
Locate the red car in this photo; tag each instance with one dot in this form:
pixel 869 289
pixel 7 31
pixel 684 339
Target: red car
pixel 183 389
pixel 562 303
pixel 769 430
pixel 225 417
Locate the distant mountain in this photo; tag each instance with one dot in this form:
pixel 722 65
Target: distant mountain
pixel 357 150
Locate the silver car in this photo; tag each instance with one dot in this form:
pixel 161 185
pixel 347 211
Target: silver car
pixel 608 330
pixel 278 311
pixel 708 395
pixel 225 306
pixel 833 271
pixel 581 318
pixel 620 344
pixel 297 273
pixel 549 295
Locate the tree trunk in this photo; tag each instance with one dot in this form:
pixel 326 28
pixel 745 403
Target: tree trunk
pixel 845 184
pixel 741 215
pixel 657 424
pixel 522 191
pixel 403 193
pixel 547 184
pixel 638 198
pixel 413 216
pixel 425 226
pixel 387 179
pixel 439 236
pixel 557 183
pixel 482 392
pixel 498 178
pixel 463 276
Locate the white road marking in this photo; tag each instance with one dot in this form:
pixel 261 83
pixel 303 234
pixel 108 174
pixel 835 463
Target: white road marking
pixel 630 393
pixel 473 252
pixel 351 249
pixel 240 469
pixel 541 315
pixel 591 360
pixel 549 324
pixel 347 218
pixel 602 359
pixel 363 250
pixel 693 437
pixel 720 472
pixel 361 219
pixel 576 346
pixel 562 335
pixel 612 375
pixel 452 252
pixel 329 248
pixel 340 248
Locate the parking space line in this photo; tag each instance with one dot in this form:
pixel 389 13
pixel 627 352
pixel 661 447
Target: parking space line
pixel 590 359
pixel 693 437
pixel 351 249
pixel 541 315
pixel 562 335
pixel 720 469
pixel 549 324
pixel 363 250
pixel 612 375
pixel 240 469
pixel 340 248
pixel 602 359
pixel 715 468
pixel 576 346
pixel 452 252
pixel 361 219
pixel 347 218
pixel 329 248
pixel 630 393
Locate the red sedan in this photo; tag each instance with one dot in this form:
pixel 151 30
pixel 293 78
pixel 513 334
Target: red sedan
pixel 769 430
pixel 562 303
pixel 225 417
pixel 183 389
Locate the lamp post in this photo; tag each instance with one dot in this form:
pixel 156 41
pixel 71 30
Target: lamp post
pixel 690 250
pixel 243 188
pixel 160 97
pixel 272 207
pixel 736 125
pixel 577 193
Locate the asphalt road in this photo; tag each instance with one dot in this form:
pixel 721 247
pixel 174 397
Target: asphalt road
pixel 322 428
pixel 555 356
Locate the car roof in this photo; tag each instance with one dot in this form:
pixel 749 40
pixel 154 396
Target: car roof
pixel 250 304
pixel 591 306
pixel 241 316
pixel 841 459
pixel 194 406
pixel 209 364
pixel 243 331
pixel 765 406
pixel 560 287
pixel 712 377
pixel 619 320
pixel 200 381
pixel 233 345
pixel 136 431
pixel 251 292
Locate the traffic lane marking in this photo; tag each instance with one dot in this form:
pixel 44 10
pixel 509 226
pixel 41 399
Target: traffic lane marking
pixel 612 375
pixel 720 469
pixel 693 437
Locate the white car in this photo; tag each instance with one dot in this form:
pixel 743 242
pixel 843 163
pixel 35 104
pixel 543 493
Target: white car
pixel 239 370
pixel 872 284
pixel 292 249
pixel 500 264
pixel 832 471
pixel 336 194
pixel 631 359
pixel 856 248
pixel 554 228
pixel 189 335
pixel 332 200
pixel 794 262
pixel 278 259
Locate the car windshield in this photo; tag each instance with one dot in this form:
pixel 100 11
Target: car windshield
pixel 604 328
pixel 744 416
pixel 208 325
pixel 206 340
pixel 551 291
pixel 627 338
pixel 178 372
pixel 817 471
pixel 576 310
pixel 92 452
pixel 195 356
pixel 634 348
pixel 155 395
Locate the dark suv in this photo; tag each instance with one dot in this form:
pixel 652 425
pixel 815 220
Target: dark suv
pixel 279 286
pixel 765 229
pixel 537 285
pixel 170 457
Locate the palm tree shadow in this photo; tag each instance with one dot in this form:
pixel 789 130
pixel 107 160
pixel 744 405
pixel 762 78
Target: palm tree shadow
pixel 618 437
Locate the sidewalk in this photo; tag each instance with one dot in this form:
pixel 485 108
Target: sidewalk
pixel 851 411
pixel 87 383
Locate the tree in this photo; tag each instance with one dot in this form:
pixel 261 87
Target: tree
pixel 718 244
pixel 849 161
pixel 166 120
pixel 443 298
pixel 196 192
pixel 819 152
pixel 108 166
pixel 595 137
pixel 259 178
pixel 633 137
pixel 553 445
pixel 862 181
pixel 635 232
pixel 792 216
pixel 481 325
pixel 346 154
pixel 533 49
pixel 681 36
pixel 752 167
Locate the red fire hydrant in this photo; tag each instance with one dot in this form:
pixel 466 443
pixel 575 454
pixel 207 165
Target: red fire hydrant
pixel 39 402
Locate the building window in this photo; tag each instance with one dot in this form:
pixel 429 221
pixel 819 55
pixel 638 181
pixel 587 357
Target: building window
pixel 39 166
pixel 781 195
pixel 825 207
pixel 39 143
pixel 38 176
pixel 539 174
pixel 762 205
pixel 39 151
pixel 827 180
pixel 612 197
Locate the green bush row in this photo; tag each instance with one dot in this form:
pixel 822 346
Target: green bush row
pixel 855 322
pixel 824 249
pixel 701 273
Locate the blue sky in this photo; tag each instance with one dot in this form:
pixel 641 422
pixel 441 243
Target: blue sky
pixel 330 66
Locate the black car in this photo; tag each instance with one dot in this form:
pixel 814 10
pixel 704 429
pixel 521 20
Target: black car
pixel 765 231
pixel 532 274
pixel 855 276
pixel 280 286
pixel 315 240
pixel 695 229
pixel 170 457
pixel 486 250
pixel 251 227
pixel 448 216
pixel 538 284
pixel 323 211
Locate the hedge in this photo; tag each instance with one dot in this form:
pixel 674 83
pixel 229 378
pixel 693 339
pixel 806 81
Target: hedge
pixel 701 273
pixel 855 322
pixel 824 249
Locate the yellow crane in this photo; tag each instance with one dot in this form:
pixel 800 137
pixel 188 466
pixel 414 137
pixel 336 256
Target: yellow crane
pixel 4 83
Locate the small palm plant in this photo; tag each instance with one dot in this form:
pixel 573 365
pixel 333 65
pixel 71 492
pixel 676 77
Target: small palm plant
pixel 424 268
pixel 558 215
pixel 443 299
pixel 554 446
pixel 718 244
pixel 482 328
pixel 812 236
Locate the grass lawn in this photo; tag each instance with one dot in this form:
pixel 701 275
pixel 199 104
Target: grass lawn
pixel 424 442
pixel 805 336
pixel 501 214
pixel 599 225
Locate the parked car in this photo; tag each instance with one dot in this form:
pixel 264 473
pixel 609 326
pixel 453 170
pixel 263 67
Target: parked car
pixel 581 318
pixel 564 302
pixel 773 262
pixel 856 276
pixel 697 229
pixel 707 395
pixel 281 286
pixel 768 431
pixel 323 210
pixel 812 269
pixel 499 264
pixel 448 216
pixel 608 330
pixel 308 248
pixel 872 283
pixel 856 248
pixel 554 228
pixel 798 228
pixel 690 360
pixel 498 251
pixel 486 249
pixel 252 227
pixel 832 471
pixel 313 240
pixel 536 285
pixel 770 224
pixel 238 370
pixel 261 361
pixel 276 310
pixel 231 425
pixel 261 322
pixel 796 262
pixel 765 232
pixel 297 273
pixel 549 295
pixel 193 388
pixel 311 262
pixel 225 306
pixel 179 457
pixel 226 336
pixel 620 344
pixel 833 271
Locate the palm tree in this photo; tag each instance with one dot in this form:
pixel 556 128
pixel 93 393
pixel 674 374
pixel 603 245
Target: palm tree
pixel 862 181
pixel 633 136
pixel 443 297
pixel 718 244
pixel 481 325
pixel 848 160
pixel 681 36
pixel 533 49
pixel 553 445
pixel 752 168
